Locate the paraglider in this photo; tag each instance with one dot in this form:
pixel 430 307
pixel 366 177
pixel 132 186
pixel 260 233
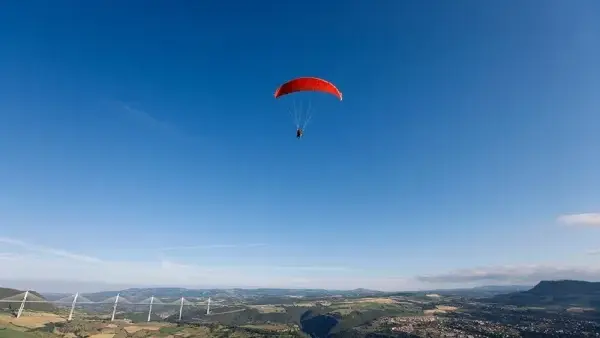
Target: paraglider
pixel 306 84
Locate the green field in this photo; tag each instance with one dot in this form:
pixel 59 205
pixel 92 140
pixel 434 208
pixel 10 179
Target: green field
pixel 9 333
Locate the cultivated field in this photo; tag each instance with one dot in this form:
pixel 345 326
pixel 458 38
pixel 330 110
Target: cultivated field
pixel 268 308
pixel 440 309
pixel 31 319
pixel 380 300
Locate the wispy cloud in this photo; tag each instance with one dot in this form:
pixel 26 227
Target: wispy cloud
pixel 585 219
pixel 146 119
pixel 593 252
pixel 514 274
pixel 50 264
pixel 8 256
pixel 44 263
pixel 49 251
pixel 218 268
pixel 213 246
pixel 172 273
pixel 314 268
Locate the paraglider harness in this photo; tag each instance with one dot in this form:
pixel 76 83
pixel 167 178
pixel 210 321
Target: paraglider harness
pixel 299 133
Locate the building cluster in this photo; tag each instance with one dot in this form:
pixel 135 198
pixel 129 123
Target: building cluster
pixel 494 323
pixel 408 324
pixel 529 328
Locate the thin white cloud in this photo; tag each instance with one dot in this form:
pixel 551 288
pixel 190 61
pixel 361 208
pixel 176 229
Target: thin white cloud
pixel 50 264
pixel 217 268
pixel 8 256
pixel 148 120
pixel 39 264
pixel 49 251
pixel 167 272
pixel 316 268
pixel 585 219
pixel 213 246
pixel 594 252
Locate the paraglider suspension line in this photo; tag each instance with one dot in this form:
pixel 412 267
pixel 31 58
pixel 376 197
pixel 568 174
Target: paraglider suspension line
pixel 296 114
pixel 308 115
pixel 301 117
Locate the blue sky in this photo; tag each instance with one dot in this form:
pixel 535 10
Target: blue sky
pixel 142 141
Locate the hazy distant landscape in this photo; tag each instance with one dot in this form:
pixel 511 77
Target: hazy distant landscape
pixel 548 309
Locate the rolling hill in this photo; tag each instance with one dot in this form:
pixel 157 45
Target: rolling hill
pixel 261 294
pixel 485 291
pixel 11 298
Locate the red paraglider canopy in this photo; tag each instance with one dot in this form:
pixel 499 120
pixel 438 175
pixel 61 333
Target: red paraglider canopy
pixel 308 84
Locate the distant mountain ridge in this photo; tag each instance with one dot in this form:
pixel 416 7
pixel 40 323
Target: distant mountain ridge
pixel 563 293
pixel 247 294
pixel 566 287
pixel 254 293
pixel 483 291
pixel 281 295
